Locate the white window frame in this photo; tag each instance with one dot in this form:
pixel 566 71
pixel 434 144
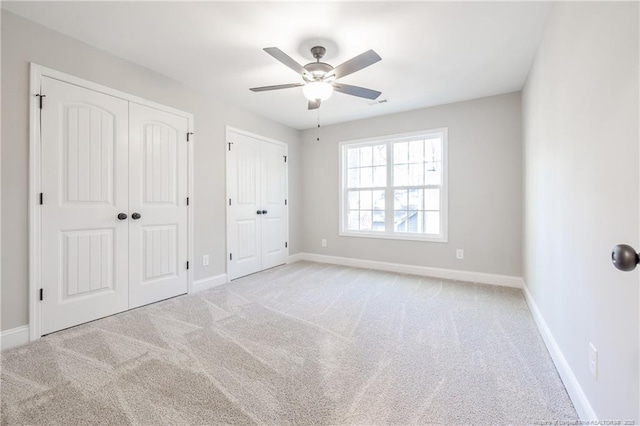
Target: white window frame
pixel 444 187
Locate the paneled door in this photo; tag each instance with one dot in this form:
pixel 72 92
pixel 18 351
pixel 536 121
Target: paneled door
pixel 257 209
pixel 273 190
pixel 158 166
pixel 84 167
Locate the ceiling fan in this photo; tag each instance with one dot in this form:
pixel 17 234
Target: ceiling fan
pixel 320 77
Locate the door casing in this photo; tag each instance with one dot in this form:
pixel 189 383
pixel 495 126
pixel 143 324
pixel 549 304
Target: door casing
pixel 35 230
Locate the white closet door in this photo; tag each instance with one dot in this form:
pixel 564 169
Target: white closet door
pixel 158 164
pixel 273 172
pixel 243 189
pixel 85 185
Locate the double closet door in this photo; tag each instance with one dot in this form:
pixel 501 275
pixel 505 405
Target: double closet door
pixel 114 205
pixel 257 230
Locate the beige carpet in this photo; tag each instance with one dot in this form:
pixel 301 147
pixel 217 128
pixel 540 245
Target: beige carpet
pixel 300 344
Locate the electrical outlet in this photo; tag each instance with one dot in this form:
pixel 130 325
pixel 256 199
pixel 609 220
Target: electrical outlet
pixel 323 242
pixel 593 360
pixel 205 260
pixel 459 254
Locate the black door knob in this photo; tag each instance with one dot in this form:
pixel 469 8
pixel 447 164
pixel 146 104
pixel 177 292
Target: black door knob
pixel 136 216
pixel 122 216
pixel 264 212
pixel 624 257
pixel 259 212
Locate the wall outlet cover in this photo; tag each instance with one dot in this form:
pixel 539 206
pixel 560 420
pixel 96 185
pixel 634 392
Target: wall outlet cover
pixel 205 260
pixel 459 254
pixel 323 242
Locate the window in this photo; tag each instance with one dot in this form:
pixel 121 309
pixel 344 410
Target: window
pixel 395 187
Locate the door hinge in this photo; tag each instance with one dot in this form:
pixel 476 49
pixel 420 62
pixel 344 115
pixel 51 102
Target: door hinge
pixel 187 264
pixel 230 256
pixel 41 198
pixel 41 294
pixel 41 97
pixel 229 201
pixel 187 200
pixel 286 245
pixel 189 134
pixel 230 143
pixel 285 201
pixel 285 158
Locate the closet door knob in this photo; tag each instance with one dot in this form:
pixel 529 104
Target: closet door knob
pixel 259 212
pixel 122 216
pixel 264 212
pixel 136 216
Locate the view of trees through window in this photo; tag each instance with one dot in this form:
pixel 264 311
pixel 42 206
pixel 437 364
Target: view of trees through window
pixel 395 186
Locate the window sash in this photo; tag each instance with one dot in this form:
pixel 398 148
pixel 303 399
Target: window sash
pixel 390 188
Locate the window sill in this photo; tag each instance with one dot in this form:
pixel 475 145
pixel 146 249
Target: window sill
pixel 434 239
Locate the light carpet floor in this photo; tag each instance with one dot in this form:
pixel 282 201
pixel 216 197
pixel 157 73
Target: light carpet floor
pixel 303 344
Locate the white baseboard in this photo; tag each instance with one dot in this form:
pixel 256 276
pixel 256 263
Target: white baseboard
pixel 210 282
pixel 14 337
pixel 295 257
pixel 575 391
pixel 426 271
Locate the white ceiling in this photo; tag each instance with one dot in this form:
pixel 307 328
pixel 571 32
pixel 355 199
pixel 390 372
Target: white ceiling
pixel 432 53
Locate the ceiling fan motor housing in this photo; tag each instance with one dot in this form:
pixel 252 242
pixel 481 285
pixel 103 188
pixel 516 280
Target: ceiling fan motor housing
pixel 316 71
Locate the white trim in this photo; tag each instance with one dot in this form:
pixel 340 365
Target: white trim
pixel 37 72
pixel 425 271
pixel 571 383
pixel 207 283
pixel 443 237
pixel 296 257
pixel 14 337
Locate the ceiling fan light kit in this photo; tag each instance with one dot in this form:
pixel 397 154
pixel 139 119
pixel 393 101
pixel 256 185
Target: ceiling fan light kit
pixel 317 90
pixel 320 77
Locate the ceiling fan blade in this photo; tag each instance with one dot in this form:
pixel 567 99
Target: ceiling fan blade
pixel 276 87
pixel 361 92
pixel 357 63
pixel 314 104
pixel 285 59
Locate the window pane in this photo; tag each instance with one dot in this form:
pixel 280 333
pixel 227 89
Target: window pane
pixel 353 220
pixel 400 220
pixel 380 176
pixel 379 155
pixel 400 153
pixel 354 200
pixel 433 150
pixel 365 200
pixel 365 220
pixel 432 222
pixel 416 174
pixel 353 178
pixel 378 200
pixel 352 157
pixel 366 156
pixel 433 175
pixel 378 221
pixel 412 221
pixel 415 199
pixel 400 199
pixel 400 175
pixel 416 154
pixel 432 199
pixel 366 177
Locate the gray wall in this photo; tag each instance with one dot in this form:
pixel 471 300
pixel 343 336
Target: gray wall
pixel 23 42
pixel 485 187
pixel 580 128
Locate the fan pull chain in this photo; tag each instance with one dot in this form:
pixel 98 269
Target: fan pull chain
pixel 318 131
